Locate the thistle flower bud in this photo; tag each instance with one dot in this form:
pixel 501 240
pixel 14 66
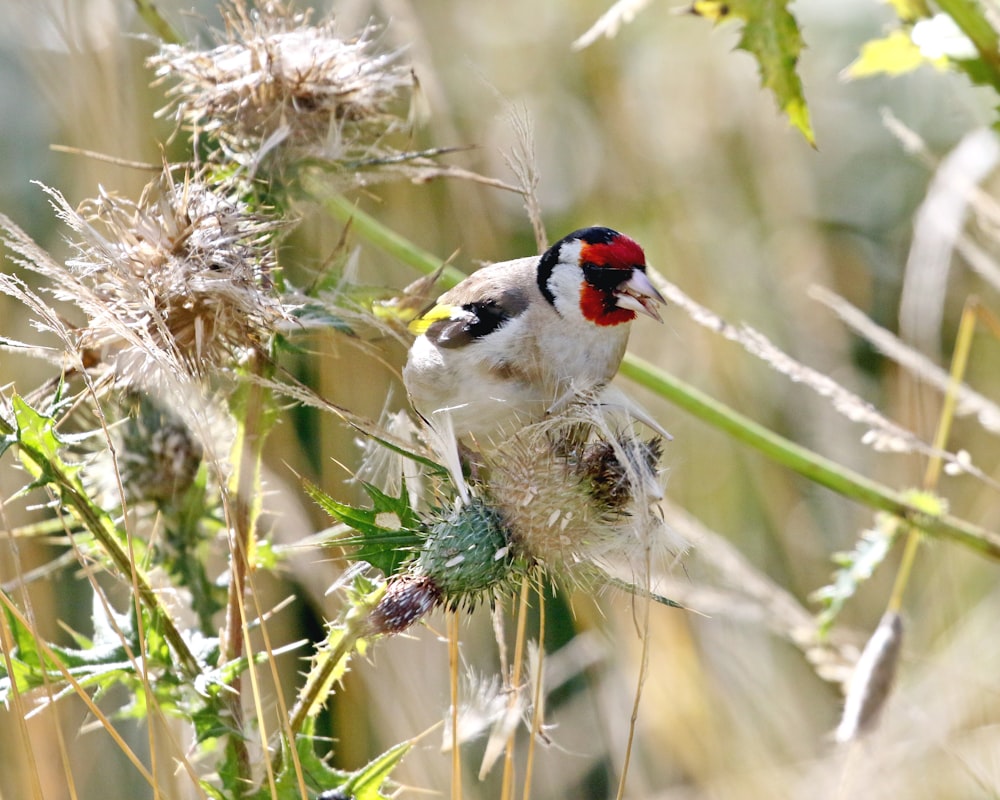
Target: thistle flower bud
pixel 464 557
pixel 407 598
pixel 158 455
pixel 467 555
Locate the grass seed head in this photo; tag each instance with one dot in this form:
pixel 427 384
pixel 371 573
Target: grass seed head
pixel 871 683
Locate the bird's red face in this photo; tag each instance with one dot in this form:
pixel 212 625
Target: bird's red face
pixel 605 271
pixel 606 266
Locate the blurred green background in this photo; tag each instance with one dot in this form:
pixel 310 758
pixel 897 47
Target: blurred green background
pixel 664 133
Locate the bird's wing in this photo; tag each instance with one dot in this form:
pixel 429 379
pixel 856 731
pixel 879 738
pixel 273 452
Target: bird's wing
pixel 480 304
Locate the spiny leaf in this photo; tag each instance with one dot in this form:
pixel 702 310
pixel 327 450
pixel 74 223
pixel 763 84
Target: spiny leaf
pixel 367 782
pixel 97 666
pixel 771 35
pixel 318 774
pixel 390 530
pixel 37 437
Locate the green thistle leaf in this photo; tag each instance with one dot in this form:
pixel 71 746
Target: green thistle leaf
pixel 389 531
pixel 771 35
pixel 41 445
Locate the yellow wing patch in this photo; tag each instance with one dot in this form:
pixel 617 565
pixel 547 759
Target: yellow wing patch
pixel 428 318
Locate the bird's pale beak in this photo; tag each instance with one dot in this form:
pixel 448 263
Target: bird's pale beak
pixel 639 295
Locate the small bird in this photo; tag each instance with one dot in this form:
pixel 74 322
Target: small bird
pixel 521 339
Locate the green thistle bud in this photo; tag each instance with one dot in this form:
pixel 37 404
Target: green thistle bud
pixel 467 555
pixel 158 454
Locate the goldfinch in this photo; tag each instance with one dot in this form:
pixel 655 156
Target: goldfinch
pixel 520 339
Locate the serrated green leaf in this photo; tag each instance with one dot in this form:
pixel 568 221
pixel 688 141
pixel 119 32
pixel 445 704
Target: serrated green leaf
pixel 367 782
pixel 895 54
pixel 771 35
pixel 318 774
pixel 36 434
pixel 33 666
pixel 389 531
pixel 399 506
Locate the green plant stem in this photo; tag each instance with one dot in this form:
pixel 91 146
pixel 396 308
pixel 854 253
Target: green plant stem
pixel 151 15
pixel 245 492
pixel 373 231
pixel 959 362
pixel 810 465
pixel 108 539
pixel 100 526
pixel 317 686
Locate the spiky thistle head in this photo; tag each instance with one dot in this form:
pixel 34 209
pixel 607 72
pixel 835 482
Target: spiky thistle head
pixel 180 280
pixel 158 453
pixel 573 495
pixel 577 489
pixel 468 555
pixel 274 80
pixel 465 556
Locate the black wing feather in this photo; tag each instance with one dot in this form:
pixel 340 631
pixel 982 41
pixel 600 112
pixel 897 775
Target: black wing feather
pixel 479 319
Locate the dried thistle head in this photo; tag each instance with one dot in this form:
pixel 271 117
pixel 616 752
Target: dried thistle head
pixel 578 489
pixel 274 79
pixel 180 281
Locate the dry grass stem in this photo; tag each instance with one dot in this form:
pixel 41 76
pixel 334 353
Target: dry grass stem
pixel 522 162
pixel 883 434
pixel 970 402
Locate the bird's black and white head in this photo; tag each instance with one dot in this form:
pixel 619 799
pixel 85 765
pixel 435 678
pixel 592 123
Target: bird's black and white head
pixel 599 275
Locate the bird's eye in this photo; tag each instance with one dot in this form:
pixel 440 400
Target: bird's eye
pixel 605 278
